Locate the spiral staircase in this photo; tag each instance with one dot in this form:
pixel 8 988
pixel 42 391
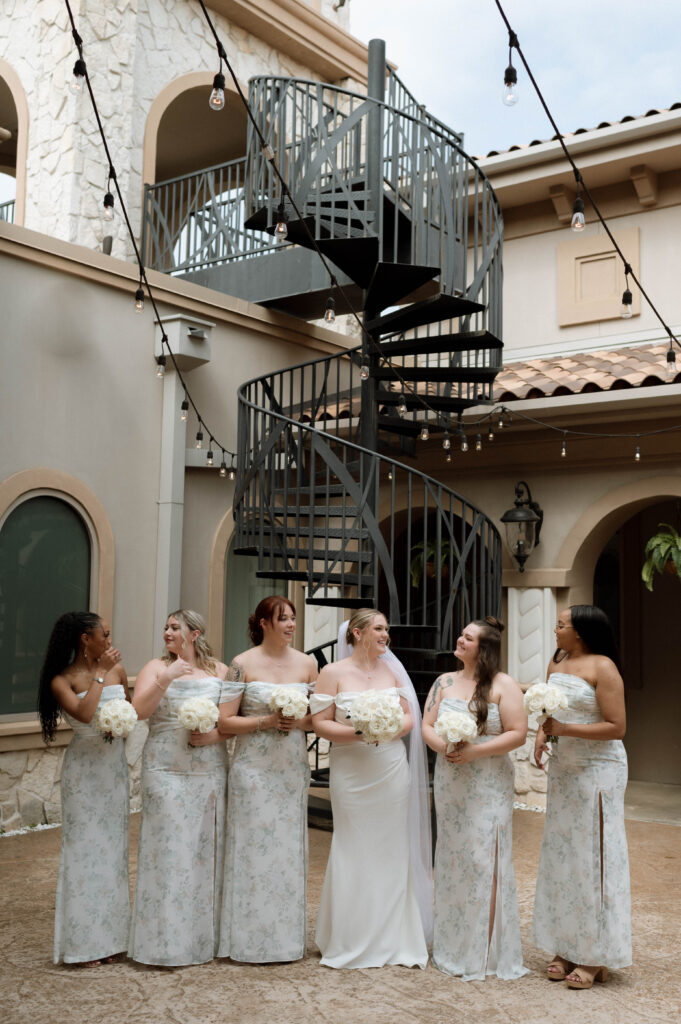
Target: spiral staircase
pixel 327 493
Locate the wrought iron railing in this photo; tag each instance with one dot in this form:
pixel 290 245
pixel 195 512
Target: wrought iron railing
pixel 7 211
pixel 349 521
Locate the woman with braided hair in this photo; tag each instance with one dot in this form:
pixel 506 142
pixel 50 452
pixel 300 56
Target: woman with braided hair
pixel 82 671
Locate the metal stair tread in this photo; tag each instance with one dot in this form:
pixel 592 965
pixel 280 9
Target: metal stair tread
pixel 465 341
pixel 439 373
pixel 428 311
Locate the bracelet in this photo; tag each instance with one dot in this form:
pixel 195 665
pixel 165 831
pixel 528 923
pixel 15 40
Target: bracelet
pixel 98 679
pixel 258 725
pixel 161 688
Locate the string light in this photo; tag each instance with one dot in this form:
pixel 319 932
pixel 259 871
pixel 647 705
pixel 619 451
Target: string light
pixel 464 443
pixel 510 93
pixel 448 457
pixel 78 76
pixel 139 299
pixel 160 366
pixel 184 410
pixel 330 312
pixel 425 432
pixel 281 227
pixel 637 453
pixel 232 474
pixel 671 362
pixel 209 455
pixel 478 443
pixel 108 211
pixel 364 372
pixel 402 407
pixel 563 450
pixel 217 96
pixel 390 473
pixel 199 439
pixel 627 298
pixel 577 223
pixel 223 467
pixel 446 443
pixel 490 432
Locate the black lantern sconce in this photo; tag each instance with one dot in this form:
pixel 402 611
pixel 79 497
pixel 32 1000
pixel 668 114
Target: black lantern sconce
pixel 523 524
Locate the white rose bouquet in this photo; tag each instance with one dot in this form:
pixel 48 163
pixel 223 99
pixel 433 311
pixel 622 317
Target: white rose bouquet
pixel 115 718
pixel 198 713
pixel 377 715
pixel 543 700
pixel 290 702
pixel 455 727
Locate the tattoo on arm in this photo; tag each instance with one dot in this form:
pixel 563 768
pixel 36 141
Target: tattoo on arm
pixel 235 672
pixel 432 696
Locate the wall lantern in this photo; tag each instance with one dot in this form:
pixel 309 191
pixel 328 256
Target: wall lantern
pixel 523 523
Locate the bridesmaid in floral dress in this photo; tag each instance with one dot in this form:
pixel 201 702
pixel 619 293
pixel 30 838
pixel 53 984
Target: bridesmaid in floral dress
pixel 264 914
pixel 477 928
pixel 582 905
pixel 81 671
pixel 175 917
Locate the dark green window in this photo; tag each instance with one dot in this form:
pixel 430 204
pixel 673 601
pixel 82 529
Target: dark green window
pixel 243 593
pixel 44 572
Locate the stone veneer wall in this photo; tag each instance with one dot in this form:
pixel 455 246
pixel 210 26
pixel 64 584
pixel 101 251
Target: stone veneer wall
pixel 132 51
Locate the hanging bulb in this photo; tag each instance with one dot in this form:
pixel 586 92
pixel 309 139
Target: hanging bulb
pixel 510 93
pixel 478 443
pixel 627 299
pixel 209 457
pixel 502 423
pixel 490 433
pixel 637 454
pixel 577 223
pixel 446 443
pixel 425 433
pixel 390 474
pixel 108 207
pixel 671 362
pixel 281 227
pixel 563 450
pixel 223 469
pixel 78 76
pixel 330 312
pixel 364 372
pixel 232 474
pixel 139 300
pixel 448 457
pixel 184 410
pixel 217 97
pixel 402 407
pixel 464 443
pixel 199 440
pixel 161 366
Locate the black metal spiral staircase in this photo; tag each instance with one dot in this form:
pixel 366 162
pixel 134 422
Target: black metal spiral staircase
pixel 414 232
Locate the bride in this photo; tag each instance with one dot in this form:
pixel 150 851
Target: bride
pixel 376 902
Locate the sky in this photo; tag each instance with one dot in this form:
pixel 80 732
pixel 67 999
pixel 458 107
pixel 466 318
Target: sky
pixel 594 60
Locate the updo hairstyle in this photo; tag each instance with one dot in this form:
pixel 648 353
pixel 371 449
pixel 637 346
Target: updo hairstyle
pixel 268 609
pixel 360 619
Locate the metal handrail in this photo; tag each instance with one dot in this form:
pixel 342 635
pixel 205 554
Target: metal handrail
pixel 7 211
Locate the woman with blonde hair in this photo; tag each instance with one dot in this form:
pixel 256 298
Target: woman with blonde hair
pixel 175 917
pixel 477 927
pixel 376 902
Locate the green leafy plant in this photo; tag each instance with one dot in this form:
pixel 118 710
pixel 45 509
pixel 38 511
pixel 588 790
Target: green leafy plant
pixel 421 553
pixel 663 554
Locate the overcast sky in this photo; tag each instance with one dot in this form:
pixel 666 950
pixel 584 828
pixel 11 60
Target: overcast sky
pixel 594 60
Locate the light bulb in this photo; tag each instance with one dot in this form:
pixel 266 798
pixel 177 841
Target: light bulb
pixel 490 433
pixel 364 371
pixel 199 440
pixel 563 450
pixel 402 407
pixel 330 312
pixel 161 366
pixel 501 424
pixel 637 454
pixel 139 300
pixel 671 362
pixel 223 469
pixel 281 230
pixel 577 223
pixel 209 457
pixel 390 474
pixel 108 207
pixel 627 299
pixel 448 457
pixel 425 433
pixel 478 443
pixel 446 443
pixel 184 410
pixel 78 76
pixel 464 444
pixel 510 93
pixel 217 96
pixel 232 474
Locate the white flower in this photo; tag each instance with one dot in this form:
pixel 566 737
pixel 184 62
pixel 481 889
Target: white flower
pixel 543 700
pixel 377 715
pixel 455 727
pixel 290 701
pixel 198 713
pixel 115 718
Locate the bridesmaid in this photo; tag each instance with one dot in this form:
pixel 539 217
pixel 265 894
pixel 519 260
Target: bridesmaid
pixel 176 910
pixel 81 671
pixel 582 904
pixel 477 928
pixel 264 914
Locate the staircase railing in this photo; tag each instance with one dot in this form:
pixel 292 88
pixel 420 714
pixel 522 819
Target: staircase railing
pixel 305 500
pixel 7 211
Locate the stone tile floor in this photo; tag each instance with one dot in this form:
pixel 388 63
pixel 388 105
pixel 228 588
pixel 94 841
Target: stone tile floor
pixel 34 991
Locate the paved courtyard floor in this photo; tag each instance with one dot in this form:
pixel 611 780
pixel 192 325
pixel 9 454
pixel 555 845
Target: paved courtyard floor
pixel 34 991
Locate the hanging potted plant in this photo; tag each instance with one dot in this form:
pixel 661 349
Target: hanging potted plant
pixel 663 554
pixel 426 553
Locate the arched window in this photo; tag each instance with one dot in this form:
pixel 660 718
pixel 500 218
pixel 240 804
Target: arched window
pixel 243 591
pixel 45 561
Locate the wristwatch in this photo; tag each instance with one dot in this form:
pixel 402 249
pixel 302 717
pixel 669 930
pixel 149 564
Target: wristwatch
pixel 98 679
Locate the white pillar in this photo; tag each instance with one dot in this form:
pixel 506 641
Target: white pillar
pixel 531 617
pixel 170 505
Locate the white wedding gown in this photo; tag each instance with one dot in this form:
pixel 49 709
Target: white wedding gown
pixel 368 913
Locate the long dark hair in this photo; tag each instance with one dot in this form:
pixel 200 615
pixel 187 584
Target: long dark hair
pixel 62 648
pixel 594 629
pixel 267 609
pixel 486 667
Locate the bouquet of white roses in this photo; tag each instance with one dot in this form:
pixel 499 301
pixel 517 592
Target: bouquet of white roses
pixel 455 727
pixel 289 701
pixel 198 713
pixel 115 718
pixel 377 715
pixel 543 701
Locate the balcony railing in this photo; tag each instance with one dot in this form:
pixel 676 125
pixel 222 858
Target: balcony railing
pixel 7 211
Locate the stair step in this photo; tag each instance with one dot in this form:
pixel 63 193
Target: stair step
pixel 355 256
pixel 339 602
pixel 465 341
pixel 392 281
pixel 442 374
pixel 438 307
pixel 332 532
pixel 324 554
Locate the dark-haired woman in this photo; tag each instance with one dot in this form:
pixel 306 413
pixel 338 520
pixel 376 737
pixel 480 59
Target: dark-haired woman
pixel 582 903
pixel 82 671
pixel 184 775
pixel 477 928
pixel 264 912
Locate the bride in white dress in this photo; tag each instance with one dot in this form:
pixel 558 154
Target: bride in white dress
pixel 376 902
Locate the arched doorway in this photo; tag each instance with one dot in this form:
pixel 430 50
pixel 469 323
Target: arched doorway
pixel 243 591
pixel 13 143
pixel 647 627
